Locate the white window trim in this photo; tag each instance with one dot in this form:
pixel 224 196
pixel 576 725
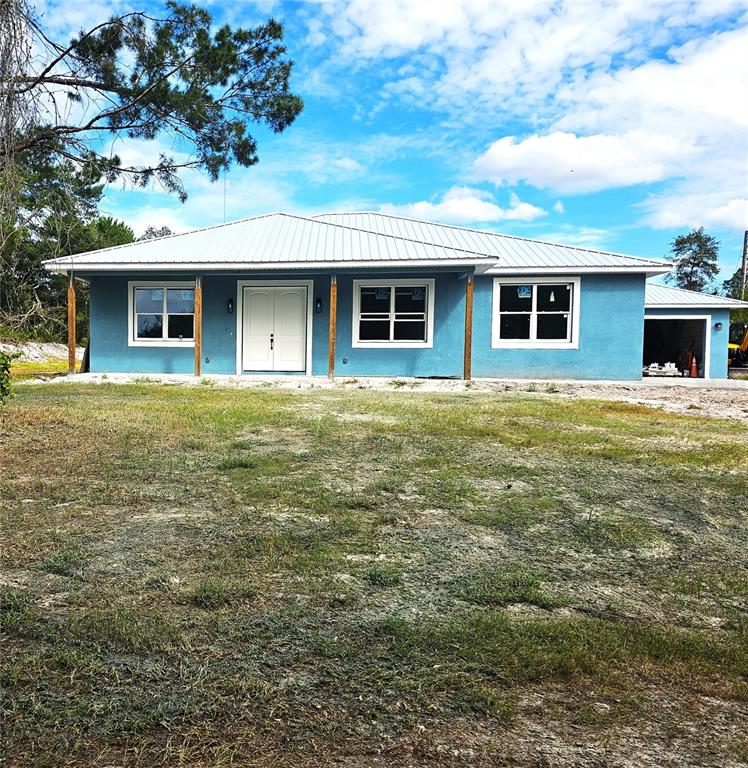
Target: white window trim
pixel 416 282
pixel 707 334
pixel 241 285
pixel 498 343
pixel 161 284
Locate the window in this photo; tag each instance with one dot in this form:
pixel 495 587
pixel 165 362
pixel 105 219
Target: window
pixel 535 312
pixel 161 314
pixel 396 313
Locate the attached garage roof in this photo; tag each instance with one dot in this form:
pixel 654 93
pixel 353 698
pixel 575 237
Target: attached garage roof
pixel 282 241
pixel 665 297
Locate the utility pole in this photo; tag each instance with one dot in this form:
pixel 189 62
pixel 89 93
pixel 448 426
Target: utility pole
pixel 744 273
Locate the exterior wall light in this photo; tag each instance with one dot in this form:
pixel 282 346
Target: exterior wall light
pixel 718 326
pixel 318 305
pixel 230 306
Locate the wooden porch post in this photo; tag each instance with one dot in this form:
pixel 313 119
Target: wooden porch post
pixel 333 326
pixel 198 323
pixel 468 361
pixel 71 323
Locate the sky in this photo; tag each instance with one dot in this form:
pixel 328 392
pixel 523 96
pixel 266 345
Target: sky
pixel 613 125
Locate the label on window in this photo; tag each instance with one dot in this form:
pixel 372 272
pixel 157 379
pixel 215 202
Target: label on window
pixel 418 294
pixel 524 291
pixel 382 294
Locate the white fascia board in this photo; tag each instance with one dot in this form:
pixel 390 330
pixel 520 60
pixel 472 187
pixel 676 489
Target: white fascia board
pixel 695 307
pixel 263 267
pixel 569 270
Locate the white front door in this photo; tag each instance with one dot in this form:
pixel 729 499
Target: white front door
pixel 274 329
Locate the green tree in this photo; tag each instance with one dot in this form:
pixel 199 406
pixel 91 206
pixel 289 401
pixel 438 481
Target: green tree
pixel 136 76
pixel 694 257
pixel 105 232
pixel 153 232
pixel 141 76
pixel 731 286
pixel 57 215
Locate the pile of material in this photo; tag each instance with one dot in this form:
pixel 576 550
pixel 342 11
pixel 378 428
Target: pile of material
pixel 655 369
pixel 38 352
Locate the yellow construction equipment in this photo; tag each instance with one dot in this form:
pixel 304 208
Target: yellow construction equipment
pixel 737 348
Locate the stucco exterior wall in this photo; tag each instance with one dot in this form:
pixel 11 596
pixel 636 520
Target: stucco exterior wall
pixel 610 336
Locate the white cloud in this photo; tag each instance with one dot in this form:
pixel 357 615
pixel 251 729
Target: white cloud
pixel 466 205
pixel 316 35
pixel 558 206
pixel 568 163
pixel 734 214
pixel 634 93
pixel 348 164
pixel 584 237
pixel 696 210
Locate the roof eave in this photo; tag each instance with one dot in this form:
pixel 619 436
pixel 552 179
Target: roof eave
pixel 732 305
pixel 52 266
pixel 649 270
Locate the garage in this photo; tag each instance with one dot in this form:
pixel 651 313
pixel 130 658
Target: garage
pixel 676 340
pixel 677 321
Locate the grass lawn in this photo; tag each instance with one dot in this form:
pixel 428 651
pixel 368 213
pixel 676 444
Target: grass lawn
pixel 213 577
pixel 27 370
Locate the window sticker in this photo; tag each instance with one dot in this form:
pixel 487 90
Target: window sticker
pixel 524 291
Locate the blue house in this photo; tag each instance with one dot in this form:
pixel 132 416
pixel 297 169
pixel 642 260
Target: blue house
pixel 367 294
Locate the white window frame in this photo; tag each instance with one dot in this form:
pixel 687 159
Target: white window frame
pixel 416 282
pixel 132 340
pixel 533 343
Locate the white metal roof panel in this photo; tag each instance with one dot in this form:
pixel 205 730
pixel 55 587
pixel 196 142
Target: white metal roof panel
pixel 284 241
pixel 666 297
pixel 276 240
pixel 512 253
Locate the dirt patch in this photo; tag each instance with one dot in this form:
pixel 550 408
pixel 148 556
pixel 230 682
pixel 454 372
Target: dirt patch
pixel 39 352
pixel 715 399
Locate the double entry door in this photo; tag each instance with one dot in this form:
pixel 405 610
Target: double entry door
pixel 274 328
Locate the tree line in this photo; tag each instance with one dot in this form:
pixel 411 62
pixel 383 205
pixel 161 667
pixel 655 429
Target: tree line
pixel 136 75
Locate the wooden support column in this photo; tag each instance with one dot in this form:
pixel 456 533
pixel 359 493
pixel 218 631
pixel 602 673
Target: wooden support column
pixel 333 326
pixel 71 323
pixel 198 323
pixel 468 361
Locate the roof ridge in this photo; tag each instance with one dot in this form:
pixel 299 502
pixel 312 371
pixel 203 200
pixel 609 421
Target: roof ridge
pixel 494 259
pixel 494 234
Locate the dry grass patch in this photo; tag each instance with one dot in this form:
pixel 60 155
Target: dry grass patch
pixel 343 577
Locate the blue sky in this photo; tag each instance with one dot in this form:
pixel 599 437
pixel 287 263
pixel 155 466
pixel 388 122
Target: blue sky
pixel 612 125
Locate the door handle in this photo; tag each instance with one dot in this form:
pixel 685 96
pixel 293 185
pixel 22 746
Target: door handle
pixel 271 341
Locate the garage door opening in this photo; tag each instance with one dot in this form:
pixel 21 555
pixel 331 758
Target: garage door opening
pixel 675 340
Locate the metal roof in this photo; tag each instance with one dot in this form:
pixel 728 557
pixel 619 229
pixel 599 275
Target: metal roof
pixel 513 254
pixel 277 241
pixel 669 298
pixel 349 240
